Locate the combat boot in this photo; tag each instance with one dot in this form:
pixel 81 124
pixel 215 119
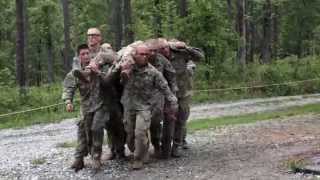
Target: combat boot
pixel 165 152
pixel 78 164
pixel 121 155
pixel 175 152
pixel 108 157
pixel 96 162
pixel 157 152
pixel 185 145
pixel 137 165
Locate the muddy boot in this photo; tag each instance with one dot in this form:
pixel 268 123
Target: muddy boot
pixel 78 164
pixel 121 155
pixel 96 162
pixel 175 151
pixel 157 152
pixel 137 165
pixel 146 159
pixel 185 145
pixel 165 153
pixel 107 157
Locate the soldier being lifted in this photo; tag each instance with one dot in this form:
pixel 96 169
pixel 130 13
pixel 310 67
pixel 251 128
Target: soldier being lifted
pixel 141 91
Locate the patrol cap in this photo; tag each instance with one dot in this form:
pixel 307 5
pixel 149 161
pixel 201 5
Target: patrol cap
pixel 93 31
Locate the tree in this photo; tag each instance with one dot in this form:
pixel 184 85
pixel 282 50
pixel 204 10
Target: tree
pixel 66 27
pixel 267 33
pixel 157 19
pixel 241 28
pixel 128 25
pixel 117 23
pixel 20 46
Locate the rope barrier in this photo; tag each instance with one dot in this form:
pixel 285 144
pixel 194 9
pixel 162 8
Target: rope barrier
pixel 258 86
pixel 34 109
pixel 204 90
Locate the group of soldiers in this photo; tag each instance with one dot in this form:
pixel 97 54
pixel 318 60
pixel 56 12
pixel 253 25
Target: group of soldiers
pixel 140 94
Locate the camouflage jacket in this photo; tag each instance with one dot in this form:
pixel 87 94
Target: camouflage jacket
pixel 179 60
pixel 90 93
pixel 163 65
pixel 144 87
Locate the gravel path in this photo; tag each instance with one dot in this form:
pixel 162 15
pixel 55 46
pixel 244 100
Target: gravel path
pixel 254 151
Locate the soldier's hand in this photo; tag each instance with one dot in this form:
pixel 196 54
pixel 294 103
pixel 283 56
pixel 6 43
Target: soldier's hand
pixel 69 107
pixel 93 66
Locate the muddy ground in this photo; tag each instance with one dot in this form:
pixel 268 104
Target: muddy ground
pixel 255 151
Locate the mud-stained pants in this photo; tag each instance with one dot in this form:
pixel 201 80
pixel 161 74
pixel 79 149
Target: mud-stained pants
pixel 90 133
pixel 180 123
pixel 115 130
pixel 137 126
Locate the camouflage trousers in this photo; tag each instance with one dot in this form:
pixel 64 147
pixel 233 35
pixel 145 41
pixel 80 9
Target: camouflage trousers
pixel 90 133
pixel 115 130
pixel 137 126
pixel 180 123
pixel 156 118
pixel 167 132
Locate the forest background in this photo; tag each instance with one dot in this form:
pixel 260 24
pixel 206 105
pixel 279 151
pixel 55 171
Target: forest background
pixel 263 44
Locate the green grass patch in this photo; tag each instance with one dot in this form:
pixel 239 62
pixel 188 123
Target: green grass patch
pixel 252 118
pixel 39 161
pixel 67 144
pixel 294 164
pixel 51 115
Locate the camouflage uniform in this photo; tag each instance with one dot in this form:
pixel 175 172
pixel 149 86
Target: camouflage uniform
pixel 179 59
pixel 141 93
pixel 163 65
pixel 93 115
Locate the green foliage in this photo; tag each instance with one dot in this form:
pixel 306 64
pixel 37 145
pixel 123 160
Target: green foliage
pixel 228 75
pixel 11 101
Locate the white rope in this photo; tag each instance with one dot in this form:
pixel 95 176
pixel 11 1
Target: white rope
pixel 204 90
pixel 258 86
pixel 31 110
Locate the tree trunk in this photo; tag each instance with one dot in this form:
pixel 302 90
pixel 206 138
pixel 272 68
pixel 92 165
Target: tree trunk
pixel 128 25
pixel 229 9
pixel 267 33
pixel 50 59
pixel 241 28
pixel 67 48
pixel 116 23
pixel 38 65
pixel 250 32
pixel 20 46
pixel 275 32
pixel 183 8
pixel 157 19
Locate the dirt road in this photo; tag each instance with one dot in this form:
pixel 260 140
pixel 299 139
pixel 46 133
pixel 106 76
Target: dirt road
pixel 254 151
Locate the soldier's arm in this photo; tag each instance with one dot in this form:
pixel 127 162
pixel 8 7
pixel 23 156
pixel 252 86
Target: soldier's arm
pixel 195 54
pixel 170 75
pixel 69 88
pixel 111 76
pixel 162 85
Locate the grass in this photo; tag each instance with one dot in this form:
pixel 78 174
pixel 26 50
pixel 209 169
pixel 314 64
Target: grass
pixel 41 117
pixel 39 161
pixel 252 118
pixel 294 164
pixel 67 144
